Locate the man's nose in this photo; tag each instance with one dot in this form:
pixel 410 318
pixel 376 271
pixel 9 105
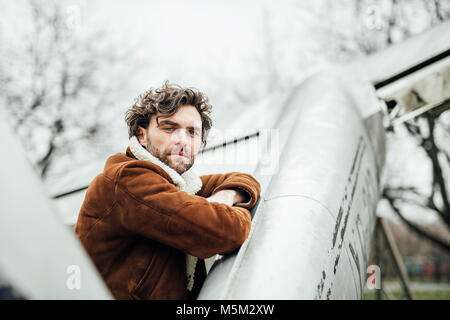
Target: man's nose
pixel 180 136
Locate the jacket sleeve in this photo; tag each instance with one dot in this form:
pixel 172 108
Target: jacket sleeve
pixel 152 207
pixel 233 180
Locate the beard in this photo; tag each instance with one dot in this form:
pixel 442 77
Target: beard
pixel 165 157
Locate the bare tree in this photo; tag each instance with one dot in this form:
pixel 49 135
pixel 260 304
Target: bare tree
pixel 61 85
pixel 438 200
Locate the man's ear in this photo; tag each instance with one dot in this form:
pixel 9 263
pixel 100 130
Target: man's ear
pixel 142 136
pixel 202 146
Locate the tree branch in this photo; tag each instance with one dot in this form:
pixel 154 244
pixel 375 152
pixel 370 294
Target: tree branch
pixel 438 178
pixel 441 243
pixel 427 202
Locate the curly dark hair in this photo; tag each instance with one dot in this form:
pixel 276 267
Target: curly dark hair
pixel 166 101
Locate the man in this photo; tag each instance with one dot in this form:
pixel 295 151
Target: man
pixel 148 221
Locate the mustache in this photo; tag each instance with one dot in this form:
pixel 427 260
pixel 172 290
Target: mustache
pixel 177 149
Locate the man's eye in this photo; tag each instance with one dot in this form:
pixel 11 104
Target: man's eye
pixel 168 129
pixel 195 133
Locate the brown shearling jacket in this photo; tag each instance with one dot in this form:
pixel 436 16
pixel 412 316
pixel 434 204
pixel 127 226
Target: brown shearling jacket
pixel 137 226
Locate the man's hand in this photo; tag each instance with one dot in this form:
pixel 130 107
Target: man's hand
pixel 228 197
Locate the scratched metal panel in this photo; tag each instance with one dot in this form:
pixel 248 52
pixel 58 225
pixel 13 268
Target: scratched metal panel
pixel 311 232
pixel 38 253
pixel 267 273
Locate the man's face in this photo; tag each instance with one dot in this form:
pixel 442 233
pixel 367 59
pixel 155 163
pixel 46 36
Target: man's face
pixel 174 140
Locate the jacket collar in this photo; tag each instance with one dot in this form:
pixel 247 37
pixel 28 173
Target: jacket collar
pixel 189 181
